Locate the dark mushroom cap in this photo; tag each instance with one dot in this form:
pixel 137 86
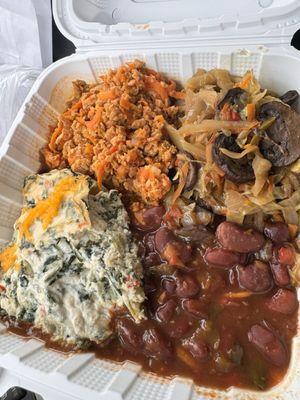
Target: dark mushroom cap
pixel 280 143
pixel 290 97
pixel 235 97
pixel 192 176
pixel 237 171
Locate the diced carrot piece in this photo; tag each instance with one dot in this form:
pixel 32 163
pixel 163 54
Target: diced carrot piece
pixel 55 135
pixel 89 149
pixel 245 82
pixel 76 106
pixel 125 103
pixel 153 85
pixel 250 111
pixel 93 123
pixel 237 295
pixel 107 95
pixel 99 171
pixel 115 148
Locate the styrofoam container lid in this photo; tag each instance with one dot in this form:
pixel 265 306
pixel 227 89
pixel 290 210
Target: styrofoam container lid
pixel 135 24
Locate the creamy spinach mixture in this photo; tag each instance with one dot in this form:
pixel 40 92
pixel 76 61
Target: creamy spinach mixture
pixel 72 260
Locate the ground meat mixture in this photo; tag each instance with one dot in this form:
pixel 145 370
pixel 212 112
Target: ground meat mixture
pixel 114 130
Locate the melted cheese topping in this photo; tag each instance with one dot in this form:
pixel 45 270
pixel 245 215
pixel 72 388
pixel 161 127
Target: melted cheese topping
pixel 46 210
pixel 8 257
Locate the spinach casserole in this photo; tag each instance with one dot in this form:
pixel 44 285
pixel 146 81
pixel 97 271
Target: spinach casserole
pixel 72 260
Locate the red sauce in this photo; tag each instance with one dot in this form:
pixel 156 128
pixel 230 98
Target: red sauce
pixel 220 316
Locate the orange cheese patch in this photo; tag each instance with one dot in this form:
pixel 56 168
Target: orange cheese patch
pixel 46 210
pixel 8 257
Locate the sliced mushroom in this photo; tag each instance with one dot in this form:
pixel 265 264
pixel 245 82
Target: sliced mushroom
pixel 235 97
pixel 280 142
pixel 237 171
pixel 290 97
pixel 192 175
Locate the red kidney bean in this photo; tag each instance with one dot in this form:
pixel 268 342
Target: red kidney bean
pixel 183 250
pixel 278 232
pixel 179 328
pixel 156 345
pixel 162 237
pixel 165 312
pixel 283 301
pixel 152 217
pixel 221 257
pixel 129 335
pixel 186 285
pixel 255 277
pixel 197 348
pixel 162 298
pixel 268 344
pixel 233 237
pixel 280 274
pixel 151 260
pixel 194 307
pixel 166 240
pixel 169 285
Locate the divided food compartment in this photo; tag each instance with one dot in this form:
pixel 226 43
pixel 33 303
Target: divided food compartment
pixel 55 375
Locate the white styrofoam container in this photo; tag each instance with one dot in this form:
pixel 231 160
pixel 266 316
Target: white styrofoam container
pixel 256 37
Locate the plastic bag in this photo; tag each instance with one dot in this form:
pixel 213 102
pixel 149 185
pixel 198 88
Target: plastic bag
pixel 25 32
pixel 15 83
pixel 25 48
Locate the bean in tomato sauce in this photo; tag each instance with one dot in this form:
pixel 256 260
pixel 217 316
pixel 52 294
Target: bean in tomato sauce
pixel 216 309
